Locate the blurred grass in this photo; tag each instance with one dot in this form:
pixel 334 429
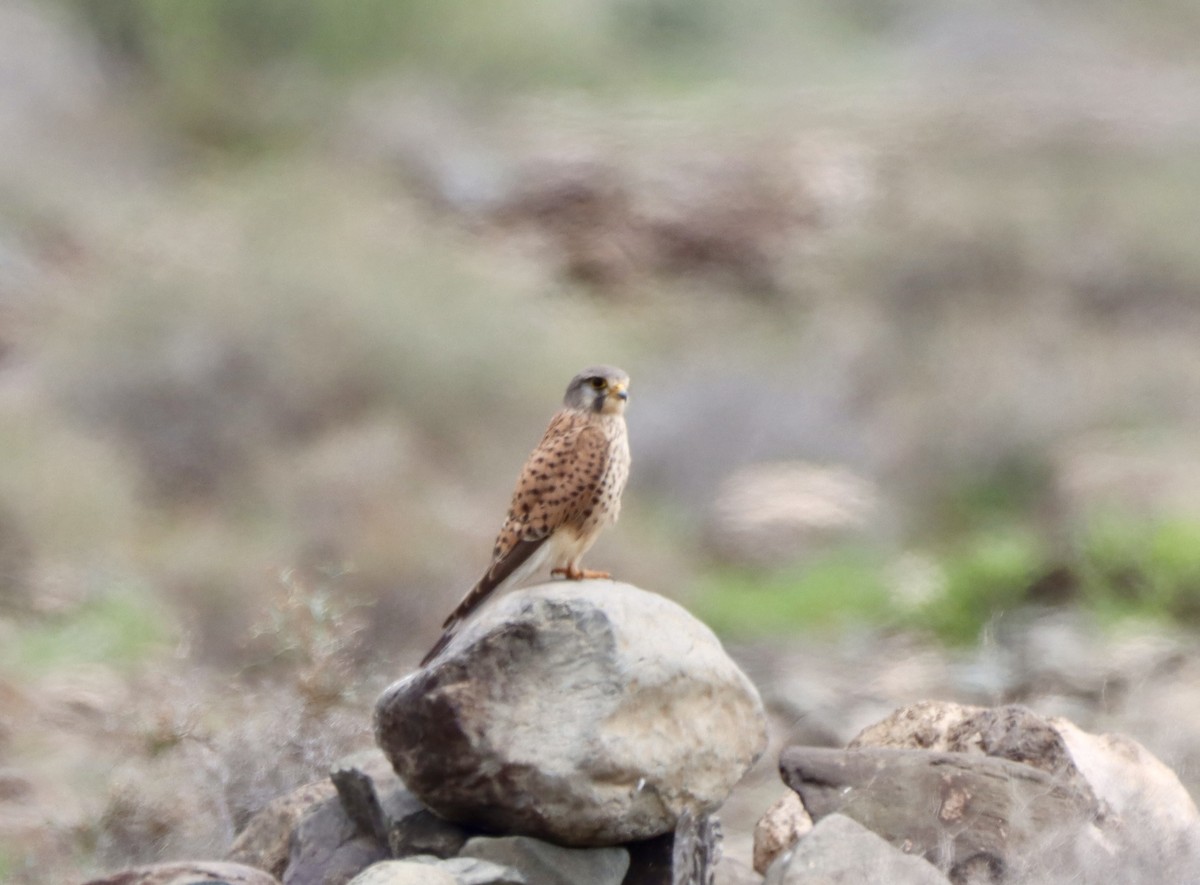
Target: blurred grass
pixel 983 576
pixel 122 627
pixel 835 590
pixel 1142 569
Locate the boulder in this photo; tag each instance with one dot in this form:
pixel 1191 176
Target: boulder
pixel 1006 795
pixel 542 863
pixel 189 873
pixel 587 713
pixel 840 851
pixel 1010 732
pixel 952 808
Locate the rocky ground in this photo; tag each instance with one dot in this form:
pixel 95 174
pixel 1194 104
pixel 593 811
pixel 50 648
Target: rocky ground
pixel 577 716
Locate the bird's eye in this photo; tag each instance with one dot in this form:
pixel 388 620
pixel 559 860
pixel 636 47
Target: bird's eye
pixel 597 383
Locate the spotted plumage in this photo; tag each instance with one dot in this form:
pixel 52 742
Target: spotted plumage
pixel 568 492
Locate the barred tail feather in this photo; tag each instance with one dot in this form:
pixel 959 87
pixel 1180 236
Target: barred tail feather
pixel 520 562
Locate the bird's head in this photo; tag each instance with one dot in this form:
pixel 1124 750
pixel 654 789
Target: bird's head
pixel 602 389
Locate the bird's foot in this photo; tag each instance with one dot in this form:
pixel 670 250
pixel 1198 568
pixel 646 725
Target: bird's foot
pixel 574 573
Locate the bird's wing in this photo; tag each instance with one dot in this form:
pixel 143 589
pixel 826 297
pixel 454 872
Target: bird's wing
pixel 558 484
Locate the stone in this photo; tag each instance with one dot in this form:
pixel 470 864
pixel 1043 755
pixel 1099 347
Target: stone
pixel 1010 732
pixel 189 873
pixel 696 850
pixel 542 863
pixel 948 807
pixel 587 713
pixel 360 801
pixel 1133 821
pixel 1150 819
pixel 473 870
pixel 840 851
pixel 779 829
pixel 327 847
pixel 403 872
pixel 381 806
pixel 263 843
pixel 412 829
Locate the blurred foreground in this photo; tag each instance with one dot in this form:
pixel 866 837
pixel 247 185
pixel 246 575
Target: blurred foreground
pixel 910 298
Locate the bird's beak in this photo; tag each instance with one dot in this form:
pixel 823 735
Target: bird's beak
pixel 618 390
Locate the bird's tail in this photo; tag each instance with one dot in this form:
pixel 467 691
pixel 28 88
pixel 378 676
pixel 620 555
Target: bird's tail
pixel 521 560
pixel 450 626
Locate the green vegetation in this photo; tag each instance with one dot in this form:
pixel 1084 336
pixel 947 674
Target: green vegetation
pixel 838 589
pixel 1143 569
pixel 122 627
pixel 983 576
pixel 1118 568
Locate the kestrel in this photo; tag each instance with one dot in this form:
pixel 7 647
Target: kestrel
pixel 568 492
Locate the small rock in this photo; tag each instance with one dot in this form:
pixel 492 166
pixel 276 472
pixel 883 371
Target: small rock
pixel 413 829
pixel 840 851
pixel 328 847
pixel 544 864
pixel 696 849
pixel 779 829
pixel 189 873
pixel 264 841
pixel 403 872
pixel 472 870
pixel 587 713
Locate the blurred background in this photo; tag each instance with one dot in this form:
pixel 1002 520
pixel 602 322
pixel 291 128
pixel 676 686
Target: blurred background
pixel 909 292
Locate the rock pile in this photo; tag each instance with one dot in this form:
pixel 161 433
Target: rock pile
pixel 570 734
pixel 584 734
pixel 986 796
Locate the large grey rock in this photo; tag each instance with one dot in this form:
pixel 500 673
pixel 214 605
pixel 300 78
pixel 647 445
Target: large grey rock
pixel 1010 732
pixel 589 713
pixel 544 864
pixel 840 851
pixel 1107 810
pixel 952 808
pixel 189 873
